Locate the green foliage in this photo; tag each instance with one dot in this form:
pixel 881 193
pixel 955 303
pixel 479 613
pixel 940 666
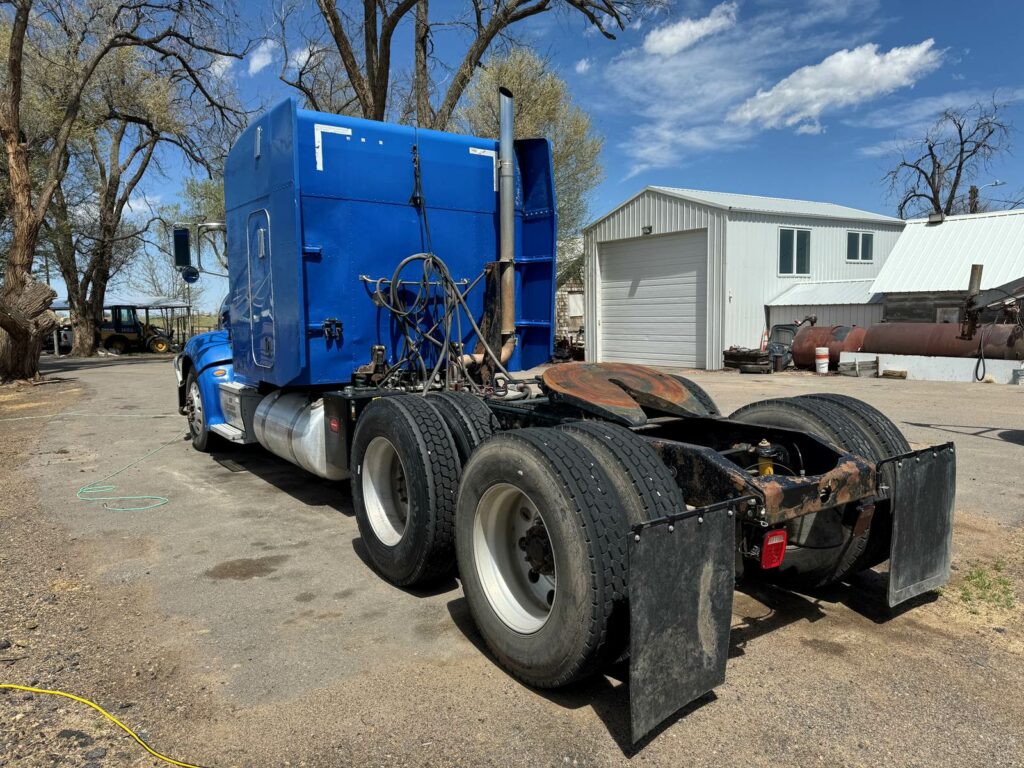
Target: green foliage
pixel 988 586
pixel 543 107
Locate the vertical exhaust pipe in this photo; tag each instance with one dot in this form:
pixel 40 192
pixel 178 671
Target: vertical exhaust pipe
pixel 974 286
pixel 506 212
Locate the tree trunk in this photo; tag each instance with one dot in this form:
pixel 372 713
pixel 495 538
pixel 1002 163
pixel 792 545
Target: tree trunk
pixel 24 309
pixel 19 355
pixel 83 328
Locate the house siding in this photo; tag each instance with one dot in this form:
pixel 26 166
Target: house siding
pixel 863 315
pixel 751 261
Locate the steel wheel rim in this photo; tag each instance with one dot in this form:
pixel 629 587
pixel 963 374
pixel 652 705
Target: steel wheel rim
pixel 504 517
pixel 195 408
pixel 385 491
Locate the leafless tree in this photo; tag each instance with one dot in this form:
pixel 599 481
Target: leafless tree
pixel 362 48
pixel 931 173
pixel 72 39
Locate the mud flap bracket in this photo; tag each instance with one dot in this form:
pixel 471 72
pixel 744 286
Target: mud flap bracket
pixel 923 496
pixel 681 580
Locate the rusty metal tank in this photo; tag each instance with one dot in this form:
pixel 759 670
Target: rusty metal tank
pixel 838 338
pixel 1002 341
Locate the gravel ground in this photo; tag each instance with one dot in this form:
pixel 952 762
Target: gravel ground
pixel 238 625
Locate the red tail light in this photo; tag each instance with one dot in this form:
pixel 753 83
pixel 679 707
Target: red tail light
pixel 334 424
pixel 773 549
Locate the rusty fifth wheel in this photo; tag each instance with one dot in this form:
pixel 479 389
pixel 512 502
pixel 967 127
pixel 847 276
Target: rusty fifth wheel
pixel 541 551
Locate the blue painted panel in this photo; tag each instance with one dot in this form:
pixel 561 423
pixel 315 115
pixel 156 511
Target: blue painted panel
pixel 260 192
pixel 338 197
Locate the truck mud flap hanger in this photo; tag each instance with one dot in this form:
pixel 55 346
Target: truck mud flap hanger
pixel 682 577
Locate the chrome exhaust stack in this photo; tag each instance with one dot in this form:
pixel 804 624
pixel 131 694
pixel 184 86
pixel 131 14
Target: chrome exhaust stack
pixel 506 212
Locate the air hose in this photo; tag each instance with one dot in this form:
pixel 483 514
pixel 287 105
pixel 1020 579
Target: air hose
pixel 85 493
pixel 110 717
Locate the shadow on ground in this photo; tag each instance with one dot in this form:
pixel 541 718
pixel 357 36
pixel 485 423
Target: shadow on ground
pixel 300 485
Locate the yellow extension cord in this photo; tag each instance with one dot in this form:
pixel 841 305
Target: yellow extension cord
pixel 107 715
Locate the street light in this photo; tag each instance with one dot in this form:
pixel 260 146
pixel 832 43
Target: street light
pixel 972 194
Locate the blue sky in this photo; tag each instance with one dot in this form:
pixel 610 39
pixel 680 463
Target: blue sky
pixel 784 98
pixel 771 97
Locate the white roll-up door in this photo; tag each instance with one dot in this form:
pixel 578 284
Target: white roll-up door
pixel 653 300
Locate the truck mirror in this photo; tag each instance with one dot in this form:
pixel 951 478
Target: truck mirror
pixel 182 247
pixel 189 274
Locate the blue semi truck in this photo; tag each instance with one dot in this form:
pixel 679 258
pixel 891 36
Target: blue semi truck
pixel 391 301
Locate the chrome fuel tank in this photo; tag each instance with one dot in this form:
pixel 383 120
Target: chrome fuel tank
pixel 292 427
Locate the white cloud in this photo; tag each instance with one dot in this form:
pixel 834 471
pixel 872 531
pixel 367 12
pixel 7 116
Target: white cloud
pixel 678 104
pixel 262 56
pixel 670 39
pixel 582 66
pixel 142 204
pixel 810 129
pixel 221 66
pixel 912 118
pixel 299 58
pixel 844 79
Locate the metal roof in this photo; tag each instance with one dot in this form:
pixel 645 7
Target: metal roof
pixel 758 204
pixel 827 292
pixel 938 257
pixel 139 302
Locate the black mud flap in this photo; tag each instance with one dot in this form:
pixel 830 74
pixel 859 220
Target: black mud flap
pixel 922 521
pixel 681 580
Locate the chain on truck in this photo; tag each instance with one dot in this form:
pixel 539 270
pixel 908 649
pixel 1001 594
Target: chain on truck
pixel 388 288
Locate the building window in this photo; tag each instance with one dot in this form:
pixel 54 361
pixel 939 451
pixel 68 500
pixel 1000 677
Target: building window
pixel 794 251
pixel 860 246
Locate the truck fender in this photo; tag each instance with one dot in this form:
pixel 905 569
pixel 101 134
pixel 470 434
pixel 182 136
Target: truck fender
pixel 209 355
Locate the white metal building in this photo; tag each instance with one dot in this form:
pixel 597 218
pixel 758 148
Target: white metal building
pixel 833 302
pixel 674 276
pixel 925 279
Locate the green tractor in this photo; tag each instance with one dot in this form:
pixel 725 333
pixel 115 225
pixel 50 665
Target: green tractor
pixel 123 332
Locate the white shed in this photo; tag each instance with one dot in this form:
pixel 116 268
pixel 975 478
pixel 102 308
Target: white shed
pixel 674 276
pixel 833 302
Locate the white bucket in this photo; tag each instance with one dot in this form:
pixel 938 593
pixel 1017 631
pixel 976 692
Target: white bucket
pixel 821 359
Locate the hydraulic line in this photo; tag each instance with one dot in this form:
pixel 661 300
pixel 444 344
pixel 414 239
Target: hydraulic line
pixel 110 717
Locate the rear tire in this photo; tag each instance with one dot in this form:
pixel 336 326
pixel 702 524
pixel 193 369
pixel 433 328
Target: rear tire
pixel 641 481
pixel 823 548
pixel 887 441
pixel 116 344
pixel 468 418
pixel 404 488
pixel 552 636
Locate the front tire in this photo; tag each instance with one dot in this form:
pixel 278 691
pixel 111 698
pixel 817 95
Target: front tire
pixel 159 345
pixel 195 412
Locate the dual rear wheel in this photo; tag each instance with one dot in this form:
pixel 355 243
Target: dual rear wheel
pixel 535 520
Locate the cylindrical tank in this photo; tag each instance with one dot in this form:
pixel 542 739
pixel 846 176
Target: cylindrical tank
pixel 1002 341
pixel 838 338
pixel 292 427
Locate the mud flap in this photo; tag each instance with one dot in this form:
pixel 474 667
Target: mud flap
pixel 922 521
pixel 681 580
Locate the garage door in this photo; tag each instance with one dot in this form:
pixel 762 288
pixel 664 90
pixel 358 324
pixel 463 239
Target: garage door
pixel 653 300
